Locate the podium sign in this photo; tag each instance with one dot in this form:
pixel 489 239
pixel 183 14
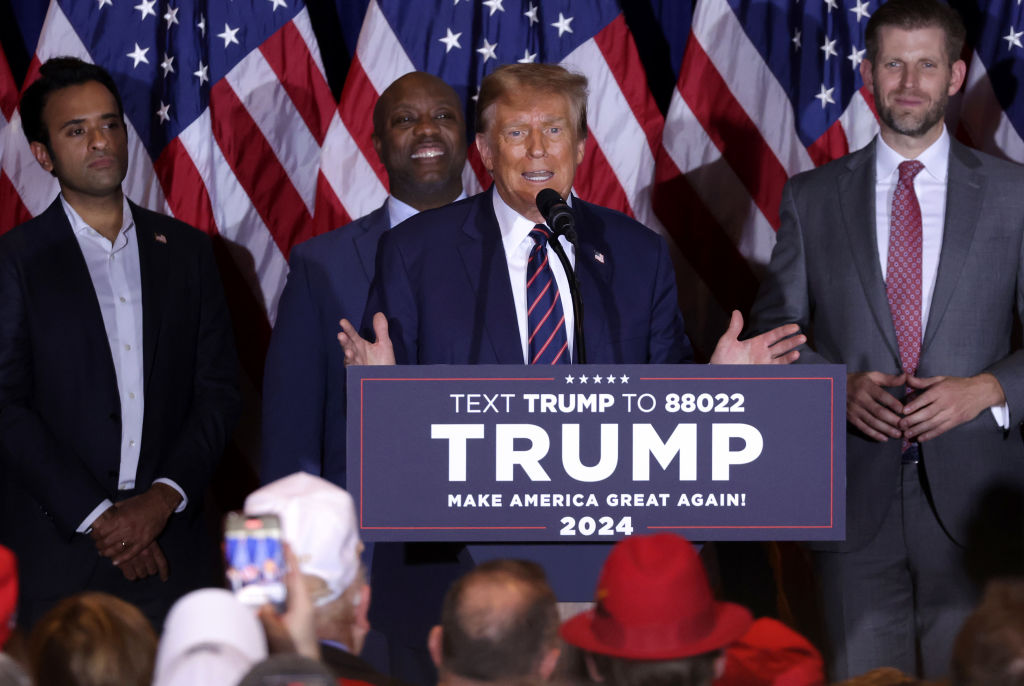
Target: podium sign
pixel 597 452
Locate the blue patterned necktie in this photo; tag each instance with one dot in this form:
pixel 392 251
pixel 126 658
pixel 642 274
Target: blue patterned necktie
pixel 548 343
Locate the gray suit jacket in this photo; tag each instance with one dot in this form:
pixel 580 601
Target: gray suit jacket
pixel 825 275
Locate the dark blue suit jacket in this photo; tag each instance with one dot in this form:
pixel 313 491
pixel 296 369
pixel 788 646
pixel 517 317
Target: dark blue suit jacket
pixel 442 280
pixel 60 415
pixel 304 378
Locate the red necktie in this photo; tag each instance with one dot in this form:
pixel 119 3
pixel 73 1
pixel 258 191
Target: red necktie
pixel 548 343
pixel 903 273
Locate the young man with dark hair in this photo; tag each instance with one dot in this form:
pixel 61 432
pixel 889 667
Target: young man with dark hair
pixel 118 386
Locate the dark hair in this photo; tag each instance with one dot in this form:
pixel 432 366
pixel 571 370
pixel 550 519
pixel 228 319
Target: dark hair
pixel 916 14
pixel 57 73
pixel 546 78
pixel 989 647
pixel 491 641
pixel 92 639
pixel 697 670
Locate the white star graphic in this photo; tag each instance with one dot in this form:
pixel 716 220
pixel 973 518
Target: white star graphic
pixel 563 24
pixel 1013 39
pixel 531 14
pixel 145 7
pixel 860 9
pixel 568 379
pixel 488 50
pixel 829 48
pixel 597 379
pixel 611 379
pixel 278 3
pixel 527 58
pixel 171 16
pixel 450 41
pixel 228 35
pixel 796 39
pixel 202 26
pixel 476 95
pixel 139 55
pixel 103 3
pixel 624 379
pixel 856 56
pixel 832 5
pixel 825 95
pixel 167 65
pixel 495 6
pixel 164 112
pixel 202 73
pixel 583 378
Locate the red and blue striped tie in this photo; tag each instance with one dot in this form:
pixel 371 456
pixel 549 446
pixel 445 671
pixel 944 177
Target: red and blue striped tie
pixel 548 343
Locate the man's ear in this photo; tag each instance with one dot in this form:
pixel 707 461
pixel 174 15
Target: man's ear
pixel 486 154
pixel 548 663
pixel 720 665
pixel 42 155
pixel 361 610
pixel 434 641
pixel 595 675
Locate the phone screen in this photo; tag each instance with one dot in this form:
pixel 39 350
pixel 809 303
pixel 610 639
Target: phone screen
pixel 255 559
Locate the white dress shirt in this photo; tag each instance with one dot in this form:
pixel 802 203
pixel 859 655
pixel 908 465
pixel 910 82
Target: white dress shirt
pixel 515 237
pixel 930 187
pixel 117 281
pixel 399 211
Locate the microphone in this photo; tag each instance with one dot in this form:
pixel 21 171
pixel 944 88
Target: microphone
pixel 560 219
pixel 557 214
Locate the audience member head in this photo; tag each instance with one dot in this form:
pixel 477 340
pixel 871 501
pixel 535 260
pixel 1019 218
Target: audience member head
pixel 56 74
pixel 772 654
pixel 990 647
pixel 209 639
pixel 499 624
pixel 915 14
pixel 318 521
pixel 531 132
pixel 419 133
pixel 655 620
pixel 92 639
pixel 293 670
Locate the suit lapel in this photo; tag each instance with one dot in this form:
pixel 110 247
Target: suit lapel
pixel 856 192
pixel 483 257
pixel 375 224
pixel 594 268
pixel 964 198
pixel 153 262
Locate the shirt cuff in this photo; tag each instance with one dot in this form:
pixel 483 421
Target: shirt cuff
pixel 1001 413
pixel 86 525
pixel 184 498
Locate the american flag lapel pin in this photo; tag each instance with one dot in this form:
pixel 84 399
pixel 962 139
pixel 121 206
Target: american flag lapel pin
pixel 599 256
pixel 160 238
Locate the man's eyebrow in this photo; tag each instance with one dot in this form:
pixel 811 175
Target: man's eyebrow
pixel 80 120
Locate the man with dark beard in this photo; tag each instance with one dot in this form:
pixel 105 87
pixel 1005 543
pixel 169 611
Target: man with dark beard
pixel 903 261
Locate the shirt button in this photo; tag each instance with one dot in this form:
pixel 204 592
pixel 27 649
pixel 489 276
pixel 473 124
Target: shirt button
pixel 131 396
pixel 132 442
pixel 122 299
pixel 127 347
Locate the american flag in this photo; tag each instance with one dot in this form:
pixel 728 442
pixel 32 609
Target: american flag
pixel 234 129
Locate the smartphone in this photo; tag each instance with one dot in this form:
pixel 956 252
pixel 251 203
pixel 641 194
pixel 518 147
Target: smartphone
pixel 255 559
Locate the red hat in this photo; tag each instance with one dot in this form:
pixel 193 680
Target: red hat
pixel 8 593
pixel 772 654
pixel 654 603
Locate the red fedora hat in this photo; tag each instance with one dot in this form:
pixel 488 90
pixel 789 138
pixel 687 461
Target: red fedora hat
pixel 653 602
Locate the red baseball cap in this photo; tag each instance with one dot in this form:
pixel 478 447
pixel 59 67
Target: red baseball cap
pixel 653 602
pixel 8 593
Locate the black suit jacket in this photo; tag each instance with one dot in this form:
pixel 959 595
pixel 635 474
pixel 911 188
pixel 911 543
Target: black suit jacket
pixel 60 416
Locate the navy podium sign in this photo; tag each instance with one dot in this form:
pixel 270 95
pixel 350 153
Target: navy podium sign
pixel 597 452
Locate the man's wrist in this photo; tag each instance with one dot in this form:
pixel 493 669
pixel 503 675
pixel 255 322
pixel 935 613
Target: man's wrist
pixel 168 496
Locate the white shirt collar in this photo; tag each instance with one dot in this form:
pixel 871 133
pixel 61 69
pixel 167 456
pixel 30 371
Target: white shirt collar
pixel 935 158
pixel 399 211
pixel 514 227
pixel 79 225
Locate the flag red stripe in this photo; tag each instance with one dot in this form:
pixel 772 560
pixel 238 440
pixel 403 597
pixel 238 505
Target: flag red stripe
pixel 257 169
pixel 750 157
pixel 357 100
pixel 12 209
pixel 831 145
pixel 596 182
pixel 288 55
pixel 329 213
pixel 184 188
pixel 615 41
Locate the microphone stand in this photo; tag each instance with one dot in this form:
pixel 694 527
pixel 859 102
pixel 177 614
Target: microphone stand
pixel 574 292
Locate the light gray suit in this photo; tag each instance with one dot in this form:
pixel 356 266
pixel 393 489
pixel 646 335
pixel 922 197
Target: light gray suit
pixel 826 276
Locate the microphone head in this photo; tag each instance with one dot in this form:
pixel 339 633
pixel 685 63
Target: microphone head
pixel 557 214
pixel 546 200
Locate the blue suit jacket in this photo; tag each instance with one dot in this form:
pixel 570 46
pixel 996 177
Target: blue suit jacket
pixel 442 280
pixel 304 378
pixel 60 414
